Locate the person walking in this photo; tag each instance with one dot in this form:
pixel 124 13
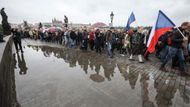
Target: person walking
pixel 98 41
pixel 176 49
pixel 91 40
pixel 17 40
pixel 84 40
pixel 73 38
pixel 137 40
pixel 109 43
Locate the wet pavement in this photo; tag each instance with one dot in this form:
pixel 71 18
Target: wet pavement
pixel 49 75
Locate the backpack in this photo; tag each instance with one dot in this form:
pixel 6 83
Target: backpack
pixel 169 40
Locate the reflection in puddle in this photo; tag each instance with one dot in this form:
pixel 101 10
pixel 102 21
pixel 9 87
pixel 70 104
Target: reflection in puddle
pixel 55 75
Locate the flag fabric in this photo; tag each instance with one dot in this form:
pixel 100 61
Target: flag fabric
pixel 130 20
pixel 162 25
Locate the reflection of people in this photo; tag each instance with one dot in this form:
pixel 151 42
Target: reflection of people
pixel 124 69
pixel 109 69
pixel 22 64
pixel 133 77
pixel 166 91
pixel 144 89
pixel 13 85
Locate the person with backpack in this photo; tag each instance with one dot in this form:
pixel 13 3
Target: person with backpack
pixel 137 40
pixel 164 41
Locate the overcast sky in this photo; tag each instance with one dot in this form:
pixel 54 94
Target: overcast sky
pixel 91 11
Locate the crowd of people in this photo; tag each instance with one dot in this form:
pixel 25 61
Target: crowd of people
pixel 174 44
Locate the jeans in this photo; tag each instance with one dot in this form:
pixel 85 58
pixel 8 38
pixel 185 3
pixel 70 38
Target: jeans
pixel 66 40
pixel 72 43
pixel 171 53
pixel 163 53
pixel 109 49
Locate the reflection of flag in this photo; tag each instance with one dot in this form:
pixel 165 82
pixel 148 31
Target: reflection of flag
pixel 162 25
pixel 130 20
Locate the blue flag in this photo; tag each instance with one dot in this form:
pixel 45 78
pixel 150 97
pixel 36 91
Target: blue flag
pixel 130 20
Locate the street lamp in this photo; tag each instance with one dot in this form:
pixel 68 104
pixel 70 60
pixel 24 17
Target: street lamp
pixel 111 17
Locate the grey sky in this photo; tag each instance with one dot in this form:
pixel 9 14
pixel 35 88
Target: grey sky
pixel 91 11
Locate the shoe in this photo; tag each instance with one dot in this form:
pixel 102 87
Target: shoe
pixel 140 59
pixel 162 68
pixel 146 58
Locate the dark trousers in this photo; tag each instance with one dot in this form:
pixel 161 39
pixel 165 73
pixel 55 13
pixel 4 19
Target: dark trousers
pixel 85 44
pixel 98 48
pixel 92 44
pixel 16 45
pixel 178 52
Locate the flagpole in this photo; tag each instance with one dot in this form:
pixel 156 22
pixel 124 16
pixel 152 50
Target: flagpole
pixel 181 32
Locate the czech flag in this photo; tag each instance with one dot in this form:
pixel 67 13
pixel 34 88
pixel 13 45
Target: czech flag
pixel 162 25
pixel 130 20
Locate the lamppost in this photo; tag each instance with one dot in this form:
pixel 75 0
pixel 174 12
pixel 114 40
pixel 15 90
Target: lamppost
pixel 111 17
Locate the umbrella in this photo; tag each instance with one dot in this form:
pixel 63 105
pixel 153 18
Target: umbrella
pixel 52 29
pixel 55 29
pixel 96 78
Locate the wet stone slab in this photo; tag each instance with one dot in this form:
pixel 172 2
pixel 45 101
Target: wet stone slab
pixel 49 75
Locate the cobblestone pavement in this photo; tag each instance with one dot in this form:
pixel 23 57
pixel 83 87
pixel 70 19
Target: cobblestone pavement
pixel 49 75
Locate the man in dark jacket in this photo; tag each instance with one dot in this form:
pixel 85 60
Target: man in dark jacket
pixel 98 41
pixel 84 40
pixel 137 40
pixel 17 40
pixel 73 37
pixel 176 49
